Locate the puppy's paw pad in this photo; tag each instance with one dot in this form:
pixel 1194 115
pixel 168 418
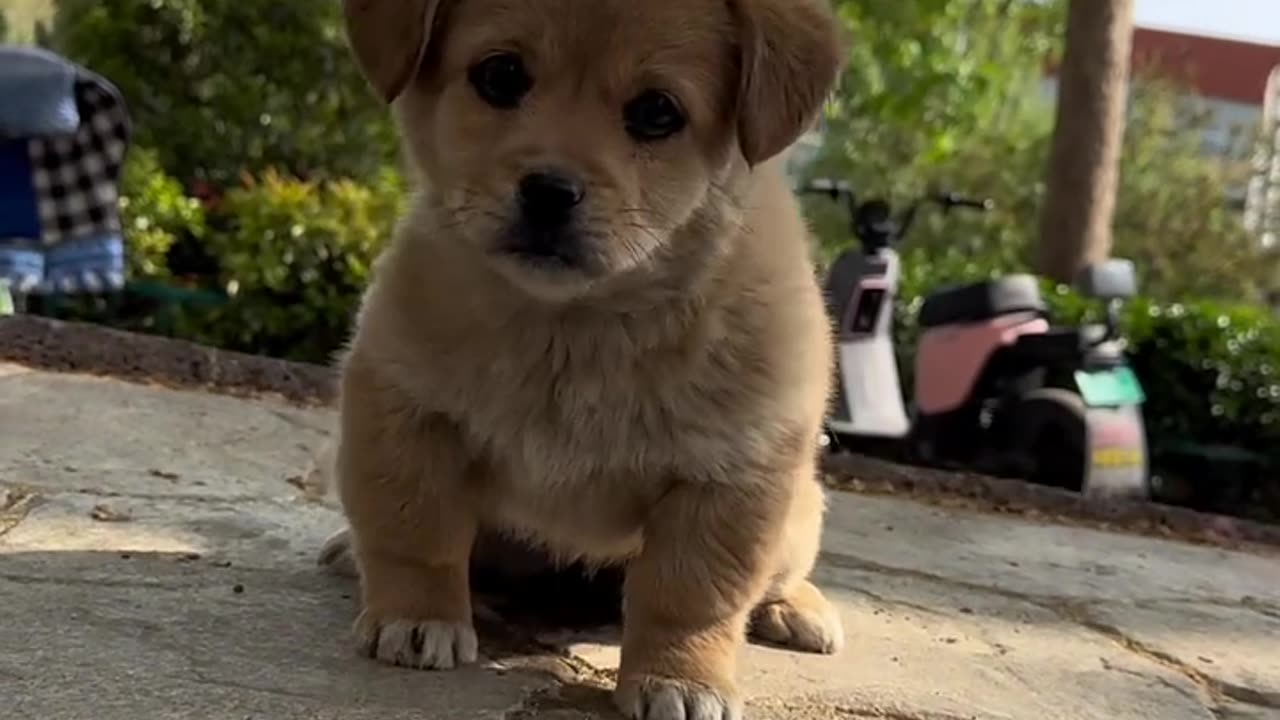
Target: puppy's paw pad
pixel 809 627
pixel 425 645
pixel 655 698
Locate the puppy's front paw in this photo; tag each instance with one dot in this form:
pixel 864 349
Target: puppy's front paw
pixel 804 621
pixel 421 644
pixel 658 698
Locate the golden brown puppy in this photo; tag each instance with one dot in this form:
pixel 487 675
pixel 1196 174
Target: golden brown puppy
pixel 597 330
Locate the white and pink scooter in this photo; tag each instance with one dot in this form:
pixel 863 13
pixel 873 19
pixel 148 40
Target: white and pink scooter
pixel 997 387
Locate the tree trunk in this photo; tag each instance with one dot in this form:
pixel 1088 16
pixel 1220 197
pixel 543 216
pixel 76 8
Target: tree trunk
pixel 1084 161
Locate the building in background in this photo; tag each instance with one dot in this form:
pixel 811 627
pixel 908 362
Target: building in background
pixel 1262 205
pixel 1231 78
pixel 1227 75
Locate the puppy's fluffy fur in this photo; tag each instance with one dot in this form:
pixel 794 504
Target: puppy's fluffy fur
pixel 658 401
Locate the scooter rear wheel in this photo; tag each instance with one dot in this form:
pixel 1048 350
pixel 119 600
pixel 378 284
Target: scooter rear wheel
pixel 1047 432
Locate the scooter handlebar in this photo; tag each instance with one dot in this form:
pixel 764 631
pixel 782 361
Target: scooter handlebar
pixel 954 200
pixel 827 186
pixel 871 220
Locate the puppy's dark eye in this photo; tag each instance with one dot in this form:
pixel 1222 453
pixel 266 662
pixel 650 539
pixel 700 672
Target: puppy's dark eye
pixel 500 80
pixel 653 115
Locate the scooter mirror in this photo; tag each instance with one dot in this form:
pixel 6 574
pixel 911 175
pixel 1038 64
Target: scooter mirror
pixel 1114 279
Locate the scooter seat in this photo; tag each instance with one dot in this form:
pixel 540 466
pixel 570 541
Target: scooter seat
pixel 982 301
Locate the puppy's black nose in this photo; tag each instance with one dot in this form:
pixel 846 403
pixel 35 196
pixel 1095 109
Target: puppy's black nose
pixel 548 197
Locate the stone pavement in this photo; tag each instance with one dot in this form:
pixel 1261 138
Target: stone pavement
pixel 157 561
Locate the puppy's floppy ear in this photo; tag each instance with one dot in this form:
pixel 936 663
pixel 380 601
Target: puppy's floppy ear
pixel 389 39
pixel 792 51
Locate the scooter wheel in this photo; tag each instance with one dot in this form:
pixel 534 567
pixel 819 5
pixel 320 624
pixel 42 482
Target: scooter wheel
pixel 1048 435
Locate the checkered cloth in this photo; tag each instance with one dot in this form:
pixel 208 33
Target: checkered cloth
pixel 77 176
pixel 60 229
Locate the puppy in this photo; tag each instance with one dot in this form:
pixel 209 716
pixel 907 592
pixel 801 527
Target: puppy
pixel 598 329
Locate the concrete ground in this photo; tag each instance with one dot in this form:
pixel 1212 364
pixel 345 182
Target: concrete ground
pixel 157 561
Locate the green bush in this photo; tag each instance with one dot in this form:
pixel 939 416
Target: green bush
pixel 279 266
pixel 1214 371
pixel 293 258
pixel 219 87
pixel 156 213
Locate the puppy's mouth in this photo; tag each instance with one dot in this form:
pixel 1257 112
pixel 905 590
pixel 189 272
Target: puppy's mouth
pixel 561 249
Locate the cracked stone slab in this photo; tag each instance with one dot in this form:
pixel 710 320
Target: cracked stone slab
pixel 107 437
pixel 918 649
pixel 1246 712
pixel 158 563
pixel 258 533
pixel 1234 649
pixel 1040 559
pixel 96 636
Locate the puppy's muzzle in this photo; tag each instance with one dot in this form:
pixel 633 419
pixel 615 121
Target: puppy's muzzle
pixel 545 230
pixel 548 199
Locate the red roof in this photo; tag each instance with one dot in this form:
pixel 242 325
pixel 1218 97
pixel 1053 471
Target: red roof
pixel 1218 68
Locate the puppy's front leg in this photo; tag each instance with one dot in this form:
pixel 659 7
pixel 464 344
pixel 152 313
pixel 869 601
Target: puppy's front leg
pixel 412 527
pixel 706 560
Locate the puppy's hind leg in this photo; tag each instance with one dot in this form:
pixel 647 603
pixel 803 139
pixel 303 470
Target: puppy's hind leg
pixel 803 620
pixel 794 613
pixel 337 556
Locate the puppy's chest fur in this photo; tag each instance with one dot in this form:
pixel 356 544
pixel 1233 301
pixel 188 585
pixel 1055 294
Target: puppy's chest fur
pixel 574 399
pixel 584 420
